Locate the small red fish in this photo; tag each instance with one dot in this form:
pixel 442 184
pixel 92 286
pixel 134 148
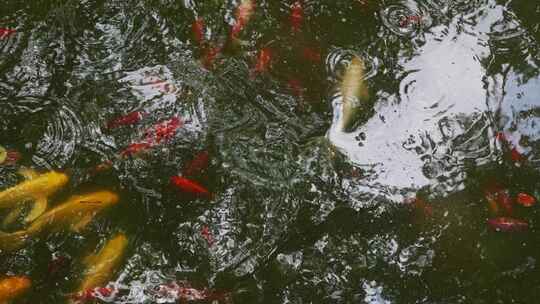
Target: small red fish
pixel 93 294
pixel 510 150
pixel 189 186
pixel 197 29
pixel 507 224
pixel 6 32
pixel 126 120
pixel 244 12
pixel 165 130
pixel 500 198
pixel 136 148
pixel 525 199
pixel 12 157
pixel 210 53
pixel 207 235
pixel 197 165
pixel 297 16
pixel 184 292
pixel 264 59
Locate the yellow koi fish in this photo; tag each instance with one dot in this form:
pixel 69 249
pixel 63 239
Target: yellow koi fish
pixel 354 92
pixel 102 266
pixel 75 214
pixel 37 188
pixel 13 287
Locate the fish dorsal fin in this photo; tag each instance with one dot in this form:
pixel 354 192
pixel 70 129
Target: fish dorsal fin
pixel 40 206
pixel 28 173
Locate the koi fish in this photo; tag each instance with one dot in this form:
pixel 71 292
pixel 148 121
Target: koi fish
pixel 296 17
pixel 13 287
pixel 35 188
pixel 264 59
pixel 525 199
pixel 210 54
pixel 421 206
pixel 507 224
pixel 515 156
pixel 126 120
pixel 75 214
pixel 184 292
pixel 355 93
pixel 197 165
pixel 296 87
pixel 102 266
pixel 244 12
pixel 92 294
pixel 498 197
pixel 6 32
pixel 189 186
pixel 197 29
pixel 165 130
pixel 136 148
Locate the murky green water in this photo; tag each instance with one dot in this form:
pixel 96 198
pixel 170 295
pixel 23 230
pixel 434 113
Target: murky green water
pixel 299 211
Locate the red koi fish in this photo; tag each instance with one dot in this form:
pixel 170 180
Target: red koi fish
pixel 184 292
pixel 6 32
pixel 525 199
pixel 93 294
pixel 210 54
pixel 197 165
pixel 189 186
pixel 244 12
pixel 207 235
pixel 136 148
pixel 126 120
pixel 512 151
pixel 164 130
pixel 264 59
pixel 197 29
pixel 507 224
pixel 498 197
pixel 11 157
pixel 296 18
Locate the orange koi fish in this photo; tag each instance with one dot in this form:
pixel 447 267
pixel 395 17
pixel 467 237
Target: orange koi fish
pixel 296 18
pixel 165 130
pixel 507 224
pixel 525 199
pixel 197 29
pixel 197 165
pixel 136 148
pixel 312 55
pixel 13 287
pixel 498 197
pixel 126 120
pixel 244 12
pixel 210 54
pixel 189 186
pixel 264 59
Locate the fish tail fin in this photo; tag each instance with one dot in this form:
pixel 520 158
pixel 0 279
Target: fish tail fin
pixel 12 241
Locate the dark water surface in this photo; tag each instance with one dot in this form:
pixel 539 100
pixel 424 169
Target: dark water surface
pixel 301 212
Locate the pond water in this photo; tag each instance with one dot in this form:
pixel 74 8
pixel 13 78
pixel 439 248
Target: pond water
pixel 217 125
